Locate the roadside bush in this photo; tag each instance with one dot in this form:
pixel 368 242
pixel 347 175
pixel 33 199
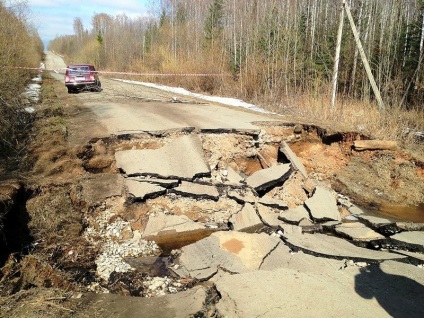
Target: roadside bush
pixel 20 47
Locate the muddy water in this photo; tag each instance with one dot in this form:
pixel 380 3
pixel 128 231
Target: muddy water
pixel 403 213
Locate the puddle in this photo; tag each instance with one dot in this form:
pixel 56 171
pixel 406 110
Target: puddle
pixel 402 213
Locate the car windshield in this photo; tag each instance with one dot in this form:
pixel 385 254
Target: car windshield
pixel 79 70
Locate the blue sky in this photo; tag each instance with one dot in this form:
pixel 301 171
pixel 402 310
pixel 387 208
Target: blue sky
pixel 55 17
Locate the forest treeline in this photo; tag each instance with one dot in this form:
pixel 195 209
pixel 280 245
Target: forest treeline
pixel 274 50
pixel 20 46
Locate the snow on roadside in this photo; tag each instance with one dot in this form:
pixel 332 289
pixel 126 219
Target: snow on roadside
pixel 181 91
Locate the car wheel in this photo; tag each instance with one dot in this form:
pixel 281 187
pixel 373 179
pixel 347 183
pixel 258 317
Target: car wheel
pixel 71 90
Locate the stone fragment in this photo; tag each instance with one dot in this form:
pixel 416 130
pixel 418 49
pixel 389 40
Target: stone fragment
pixel 323 205
pixel 197 190
pixel 234 252
pixel 413 240
pixel 333 247
pixel 358 232
pixel 181 159
pixel 143 190
pixel 295 161
pixel 265 179
pixel 173 230
pixel 246 220
pixel 294 215
pixel 273 203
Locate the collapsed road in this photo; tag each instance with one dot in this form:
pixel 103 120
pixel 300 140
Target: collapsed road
pixel 206 211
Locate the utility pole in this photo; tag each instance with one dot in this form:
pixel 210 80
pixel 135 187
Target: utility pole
pixel 364 58
pixel 337 59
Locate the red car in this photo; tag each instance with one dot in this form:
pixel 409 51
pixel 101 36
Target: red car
pixel 80 77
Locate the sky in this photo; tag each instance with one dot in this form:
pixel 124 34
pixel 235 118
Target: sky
pixel 56 17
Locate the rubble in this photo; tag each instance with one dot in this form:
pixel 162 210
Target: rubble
pixel 294 215
pixel 291 156
pixel 246 220
pixel 265 179
pixel 273 203
pixel 197 190
pixel 358 232
pixel 143 190
pixel 323 205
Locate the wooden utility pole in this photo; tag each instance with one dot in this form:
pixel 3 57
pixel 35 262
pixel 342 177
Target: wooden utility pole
pixel 363 57
pixel 337 59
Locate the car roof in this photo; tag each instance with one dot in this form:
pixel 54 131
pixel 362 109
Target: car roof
pixel 79 65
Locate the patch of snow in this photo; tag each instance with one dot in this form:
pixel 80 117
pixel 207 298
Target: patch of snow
pixel 181 91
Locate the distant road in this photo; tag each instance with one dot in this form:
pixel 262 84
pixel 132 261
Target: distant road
pixel 125 108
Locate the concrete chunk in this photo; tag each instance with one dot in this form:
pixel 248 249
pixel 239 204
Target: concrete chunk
pixel 235 252
pixel 182 159
pixel 246 220
pixel 273 203
pixel 242 198
pixel 196 190
pixel 143 190
pixel 269 217
pixel 294 215
pixel 323 205
pixel 265 179
pixel 413 240
pixel 291 156
pixel 358 232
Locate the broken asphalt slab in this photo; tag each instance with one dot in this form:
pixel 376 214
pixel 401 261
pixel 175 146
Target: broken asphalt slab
pixel 323 205
pixel 234 252
pixel 333 247
pixel 411 240
pixel 166 183
pixel 190 303
pixel 358 232
pixel 265 179
pixel 197 191
pixel 246 220
pixel 143 190
pixel 181 159
pixel 173 231
pixel 306 287
pixel 291 156
pixel 294 216
pixel 273 203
